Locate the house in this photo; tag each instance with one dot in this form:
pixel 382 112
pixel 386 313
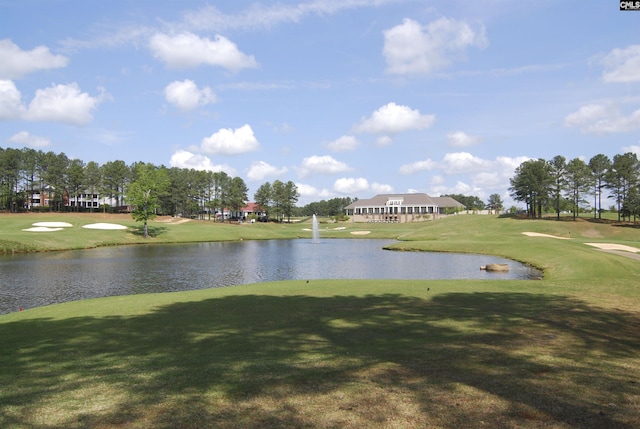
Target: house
pixel 244 212
pixel 416 207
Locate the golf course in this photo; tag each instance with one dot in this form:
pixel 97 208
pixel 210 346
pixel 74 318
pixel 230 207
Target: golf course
pixel 562 351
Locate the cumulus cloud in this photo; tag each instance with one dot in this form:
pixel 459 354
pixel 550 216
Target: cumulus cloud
pixel 622 65
pixel 186 159
pixel 11 106
pixel 260 170
pixel 16 63
pixel 392 119
pixel 310 191
pixel 322 165
pixel 343 144
pixel 602 119
pixel 227 141
pixel 351 185
pixel 63 103
pixel 186 95
pixel 461 139
pixel 187 50
pixel 383 141
pixel 414 167
pixel 26 139
pixel 411 48
pixel 58 103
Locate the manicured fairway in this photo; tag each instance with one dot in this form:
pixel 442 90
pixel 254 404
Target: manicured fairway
pixel 559 352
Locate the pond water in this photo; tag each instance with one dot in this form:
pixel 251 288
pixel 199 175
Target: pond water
pixel 34 280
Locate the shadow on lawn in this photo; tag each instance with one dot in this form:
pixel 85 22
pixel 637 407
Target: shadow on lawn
pixel 153 231
pixel 461 360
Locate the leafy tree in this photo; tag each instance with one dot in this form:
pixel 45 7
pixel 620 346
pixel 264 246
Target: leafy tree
pixel 237 194
pixel 263 197
pixel 558 169
pixel 495 203
pixel 599 165
pixel 621 177
pixel 143 193
pixel 532 185
pixel 578 177
pixel 114 179
pixel 93 180
pixel 76 180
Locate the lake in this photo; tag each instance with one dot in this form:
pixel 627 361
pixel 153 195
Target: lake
pixel 34 280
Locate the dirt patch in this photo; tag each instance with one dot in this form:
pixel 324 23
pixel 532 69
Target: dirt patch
pixel 537 234
pixel 172 220
pixel 360 232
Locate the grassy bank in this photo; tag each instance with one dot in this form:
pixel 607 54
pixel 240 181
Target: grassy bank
pixel 561 352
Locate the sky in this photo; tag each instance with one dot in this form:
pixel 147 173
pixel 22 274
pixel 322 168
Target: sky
pixel 346 98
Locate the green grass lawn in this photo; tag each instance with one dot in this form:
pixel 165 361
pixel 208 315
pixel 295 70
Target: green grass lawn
pixel 560 352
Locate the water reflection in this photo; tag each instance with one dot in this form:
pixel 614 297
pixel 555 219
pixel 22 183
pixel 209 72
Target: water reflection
pixel 40 279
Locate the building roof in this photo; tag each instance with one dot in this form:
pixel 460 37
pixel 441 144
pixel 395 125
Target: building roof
pixel 448 202
pixel 415 199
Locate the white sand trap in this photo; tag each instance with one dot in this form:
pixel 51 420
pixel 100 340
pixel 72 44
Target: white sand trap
pixel 53 224
pixel 306 229
pixel 104 226
pixel 360 232
pixel 42 229
pixel 537 234
pixel 340 228
pixel 612 246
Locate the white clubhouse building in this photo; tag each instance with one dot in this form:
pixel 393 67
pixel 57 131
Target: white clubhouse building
pixel 401 208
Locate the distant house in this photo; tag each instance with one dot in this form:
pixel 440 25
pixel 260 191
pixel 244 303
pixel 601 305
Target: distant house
pixel 244 212
pixel 401 208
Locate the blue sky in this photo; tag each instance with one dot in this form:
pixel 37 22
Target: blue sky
pixel 342 97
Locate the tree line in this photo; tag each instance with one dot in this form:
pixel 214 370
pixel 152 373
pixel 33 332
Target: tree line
pixel 560 185
pixel 144 187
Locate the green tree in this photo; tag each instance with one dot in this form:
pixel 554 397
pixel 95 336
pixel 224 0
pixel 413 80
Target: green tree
pixel 93 180
pixel 599 165
pixel 144 191
pixel 621 177
pixel 495 203
pixel 263 197
pixel 237 194
pixel 532 185
pixel 578 178
pixel 558 170
pixel 76 181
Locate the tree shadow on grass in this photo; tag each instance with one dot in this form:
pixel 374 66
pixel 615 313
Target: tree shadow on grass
pixel 153 231
pixel 499 360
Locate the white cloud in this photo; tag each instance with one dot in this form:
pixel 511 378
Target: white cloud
pixel 383 141
pixel 186 95
pixel 63 103
pixel 622 65
pixel 634 148
pixel 11 106
pixel 411 48
pixel 187 50
pixel 16 63
pixel 414 167
pixel 58 103
pixel 186 159
pixel 381 188
pixel 603 119
pixel 351 185
pixel 322 165
pixel 260 170
pixel 461 139
pixel 463 162
pixel 309 191
pixel 26 139
pixel 343 144
pixel 392 119
pixel 228 141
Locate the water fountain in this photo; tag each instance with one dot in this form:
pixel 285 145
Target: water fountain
pixel 314 229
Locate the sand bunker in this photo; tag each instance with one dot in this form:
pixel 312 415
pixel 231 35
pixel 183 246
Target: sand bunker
pixel 53 224
pixel 360 232
pixel 613 246
pixel 104 226
pixel 537 234
pixel 42 229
